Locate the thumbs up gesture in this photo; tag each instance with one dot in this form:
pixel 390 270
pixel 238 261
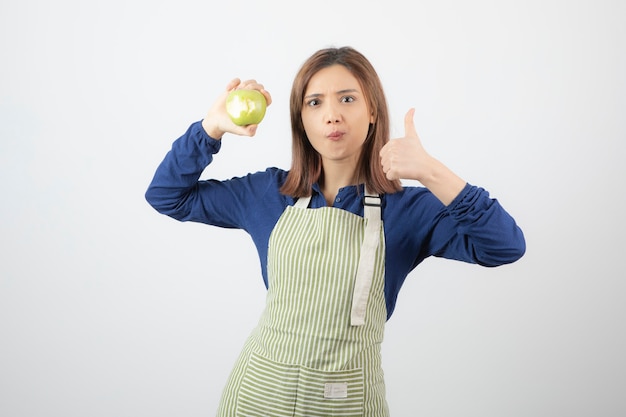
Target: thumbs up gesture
pixel 406 158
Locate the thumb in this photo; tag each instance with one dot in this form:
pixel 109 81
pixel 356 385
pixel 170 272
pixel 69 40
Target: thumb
pixel 248 130
pixel 409 125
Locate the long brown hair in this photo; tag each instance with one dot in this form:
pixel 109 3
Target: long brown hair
pixel 306 163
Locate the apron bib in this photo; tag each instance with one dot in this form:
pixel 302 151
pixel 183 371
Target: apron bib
pixel 316 350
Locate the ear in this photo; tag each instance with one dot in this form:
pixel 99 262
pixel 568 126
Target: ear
pixel 372 118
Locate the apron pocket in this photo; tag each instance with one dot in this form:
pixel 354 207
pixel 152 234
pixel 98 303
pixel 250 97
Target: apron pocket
pixel 275 389
pixel 330 393
pixel 268 388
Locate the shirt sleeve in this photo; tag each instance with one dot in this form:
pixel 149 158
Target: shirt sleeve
pixel 476 228
pixel 176 190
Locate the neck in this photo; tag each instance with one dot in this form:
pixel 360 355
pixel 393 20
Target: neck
pixel 334 177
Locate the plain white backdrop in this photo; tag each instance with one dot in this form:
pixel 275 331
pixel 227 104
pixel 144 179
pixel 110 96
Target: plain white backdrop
pixel 109 309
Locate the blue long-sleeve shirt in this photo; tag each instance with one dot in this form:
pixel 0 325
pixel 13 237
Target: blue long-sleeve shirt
pixel 473 228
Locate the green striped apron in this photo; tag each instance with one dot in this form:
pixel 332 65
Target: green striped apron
pixel 316 350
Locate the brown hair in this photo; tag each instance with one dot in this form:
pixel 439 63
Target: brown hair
pixel 306 163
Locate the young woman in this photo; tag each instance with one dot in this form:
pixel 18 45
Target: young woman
pixel 337 235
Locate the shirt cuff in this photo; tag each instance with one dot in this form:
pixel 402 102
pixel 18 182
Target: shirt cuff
pixel 470 202
pixel 214 145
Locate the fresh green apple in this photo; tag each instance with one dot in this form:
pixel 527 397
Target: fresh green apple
pixel 246 107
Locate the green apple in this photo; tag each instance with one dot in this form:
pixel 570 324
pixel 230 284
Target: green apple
pixel 246 107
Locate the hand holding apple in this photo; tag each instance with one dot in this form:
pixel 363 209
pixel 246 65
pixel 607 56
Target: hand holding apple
pixel 219 120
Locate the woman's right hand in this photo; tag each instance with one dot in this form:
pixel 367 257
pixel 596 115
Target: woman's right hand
pixel 217 122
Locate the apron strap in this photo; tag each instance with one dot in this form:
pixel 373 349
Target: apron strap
pixel 365 268
pixel 302 202
pixel 365 271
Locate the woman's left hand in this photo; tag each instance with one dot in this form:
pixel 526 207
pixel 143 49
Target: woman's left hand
pixel 405 158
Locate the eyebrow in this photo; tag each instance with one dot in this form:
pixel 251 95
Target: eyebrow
pixel 348 90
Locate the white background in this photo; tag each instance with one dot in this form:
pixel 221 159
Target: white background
pixel 108 308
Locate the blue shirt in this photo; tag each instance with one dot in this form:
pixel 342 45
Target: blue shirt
pixel 473 228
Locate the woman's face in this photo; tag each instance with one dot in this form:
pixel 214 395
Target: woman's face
pixel 335 115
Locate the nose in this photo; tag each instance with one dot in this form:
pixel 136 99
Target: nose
pixel 332 114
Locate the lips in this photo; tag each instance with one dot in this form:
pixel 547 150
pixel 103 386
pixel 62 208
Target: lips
pixel 335 135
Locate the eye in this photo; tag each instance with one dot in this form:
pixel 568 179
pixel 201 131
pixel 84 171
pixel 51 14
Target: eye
pixel 313 102
pixel 347 99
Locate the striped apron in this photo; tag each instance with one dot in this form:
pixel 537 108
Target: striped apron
pixel 316 350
